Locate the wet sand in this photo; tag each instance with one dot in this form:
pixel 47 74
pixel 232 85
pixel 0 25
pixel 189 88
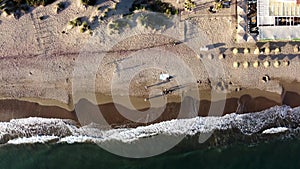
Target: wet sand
pixel 290 94
pixel 13 109
pixel 244 101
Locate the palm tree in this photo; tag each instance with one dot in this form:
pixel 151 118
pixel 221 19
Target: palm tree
pixel 189 5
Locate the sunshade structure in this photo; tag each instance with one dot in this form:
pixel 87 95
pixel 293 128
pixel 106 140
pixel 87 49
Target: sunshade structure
pixel 250 39
pixel 241 20
pixel 256 64
pixel 241 29
pixel 236 65
pixel 285 63
pixel 222 56
pixel 256 51
pixel 210 56
pixel 246 51
pixel 241 37
pixel 277 51
pixel 246 64
pixel 235 51
pixel 296 48
pixel 276 63
pixel 267 50
pixel 266 64
pixel 240 10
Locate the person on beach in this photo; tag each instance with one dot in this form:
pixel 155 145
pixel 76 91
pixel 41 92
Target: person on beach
pixel 165 92
pixel 164 77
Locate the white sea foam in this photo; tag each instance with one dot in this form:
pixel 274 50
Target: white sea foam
pixel 33 139
pixel 33 130
pixel 79 139
pixel 275 130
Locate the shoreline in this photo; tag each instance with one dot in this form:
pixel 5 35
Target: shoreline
pixel 38 77
pixel 252 100
pixel 271 123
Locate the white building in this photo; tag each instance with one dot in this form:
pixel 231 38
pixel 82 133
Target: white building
pixel 278 19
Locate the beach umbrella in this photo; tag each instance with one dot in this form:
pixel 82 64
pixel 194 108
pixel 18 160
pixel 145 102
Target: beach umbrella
pixel 243 24
pixel 241 29
pixel 296 49
pixel 277 50
pixel 276 63
pixel 250 39
pixel 241 37
pixel 285 63
pixel 241 19
pixel 267 50
pixel 266 63
pixel 241 32
pixel 246 64
pixel 210 56
pixel 256 64
pixel 256 51
pixel 236 65
pixel 222 56
pixel 246 51
pixel 235 51
pixel 240 10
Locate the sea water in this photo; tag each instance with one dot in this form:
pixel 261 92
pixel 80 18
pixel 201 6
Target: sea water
pixel 267 139
pixel 272 155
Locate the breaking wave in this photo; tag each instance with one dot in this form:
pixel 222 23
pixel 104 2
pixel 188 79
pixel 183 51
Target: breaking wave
pixel 279 121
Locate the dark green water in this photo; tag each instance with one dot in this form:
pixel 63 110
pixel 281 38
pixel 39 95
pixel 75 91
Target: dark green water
pixel 275 155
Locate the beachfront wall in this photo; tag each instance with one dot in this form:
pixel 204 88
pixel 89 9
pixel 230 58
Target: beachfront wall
pixel 278 19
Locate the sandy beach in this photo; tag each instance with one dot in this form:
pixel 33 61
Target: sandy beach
pixel 252 100
pixel 38 59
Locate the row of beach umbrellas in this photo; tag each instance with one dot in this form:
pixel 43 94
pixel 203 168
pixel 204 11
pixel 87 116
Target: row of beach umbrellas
pixel 266 50
pixel 257 51
pixel 256 64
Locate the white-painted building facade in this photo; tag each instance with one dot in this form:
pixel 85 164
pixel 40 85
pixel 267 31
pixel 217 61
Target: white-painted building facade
pixel 278 19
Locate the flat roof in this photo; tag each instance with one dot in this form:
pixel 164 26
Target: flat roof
pixel 279 32
pixel 278 8
pixel 267 10
pixel 284 8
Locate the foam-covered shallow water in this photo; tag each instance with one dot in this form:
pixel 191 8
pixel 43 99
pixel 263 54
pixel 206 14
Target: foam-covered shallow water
pixel 279 122
pixel 267 139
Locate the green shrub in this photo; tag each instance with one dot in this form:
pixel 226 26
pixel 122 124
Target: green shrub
pixel 38 2
pixel 189 5
pixel 84 24
pixel 88 2
pixel 155 6
pixel 18 7
pixel 60 6
pixel 72 23
pixel 82 30
pixel 78 22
